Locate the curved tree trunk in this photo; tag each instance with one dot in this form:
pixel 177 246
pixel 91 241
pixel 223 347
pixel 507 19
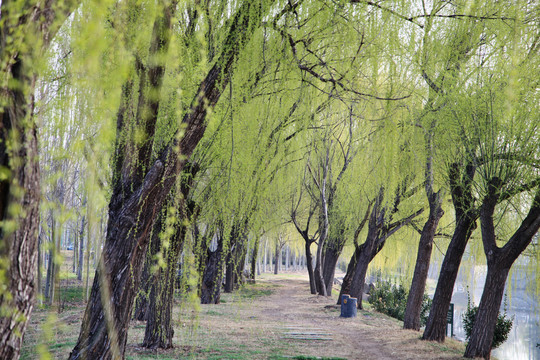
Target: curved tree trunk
pixel 413 309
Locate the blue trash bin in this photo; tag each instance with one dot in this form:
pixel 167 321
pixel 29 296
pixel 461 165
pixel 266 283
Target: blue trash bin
pixel 348 306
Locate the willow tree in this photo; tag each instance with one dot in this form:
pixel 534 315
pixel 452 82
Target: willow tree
pixel 142 179
pixel 487 22
pixel 462 43
pixel 508 181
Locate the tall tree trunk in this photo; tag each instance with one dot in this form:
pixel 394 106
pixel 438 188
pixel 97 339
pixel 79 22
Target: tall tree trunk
pixel 463 201
pixel 229 272
pixel 39 282
pixel 265 260
pixel 75 251
pixel 255 260
pixel 51 264
pixel 415 299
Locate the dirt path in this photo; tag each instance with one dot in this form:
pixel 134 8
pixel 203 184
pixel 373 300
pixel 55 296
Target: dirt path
pixel 370 335
pixel 250 324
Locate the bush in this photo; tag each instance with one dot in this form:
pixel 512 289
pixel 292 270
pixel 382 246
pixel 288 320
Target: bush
pixel 502 328
pixel 391 300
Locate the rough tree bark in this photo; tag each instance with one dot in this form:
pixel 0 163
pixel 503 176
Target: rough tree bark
pixel 140 312
pixel 333 249
pixel 159 327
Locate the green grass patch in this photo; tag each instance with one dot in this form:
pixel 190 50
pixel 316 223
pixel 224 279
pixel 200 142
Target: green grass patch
pixel 72 294
pixel 214 313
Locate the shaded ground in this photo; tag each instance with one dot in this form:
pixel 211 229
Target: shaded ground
pixel 275 319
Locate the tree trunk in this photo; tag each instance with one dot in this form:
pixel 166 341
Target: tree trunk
pixel 418 286
pixel 255 260
pixel 265 260
pixel 277 258
pixel 51 264
pixel 140 312
pixel 229 271
pixel 81 251
pixel 463 201
pixel 309 264
pixel 159 330
pixel 211 279
pixel 287 259
pixel 24 37
pixel 479 344
pixel 353 282
pixel 39 283
pixel 331 256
